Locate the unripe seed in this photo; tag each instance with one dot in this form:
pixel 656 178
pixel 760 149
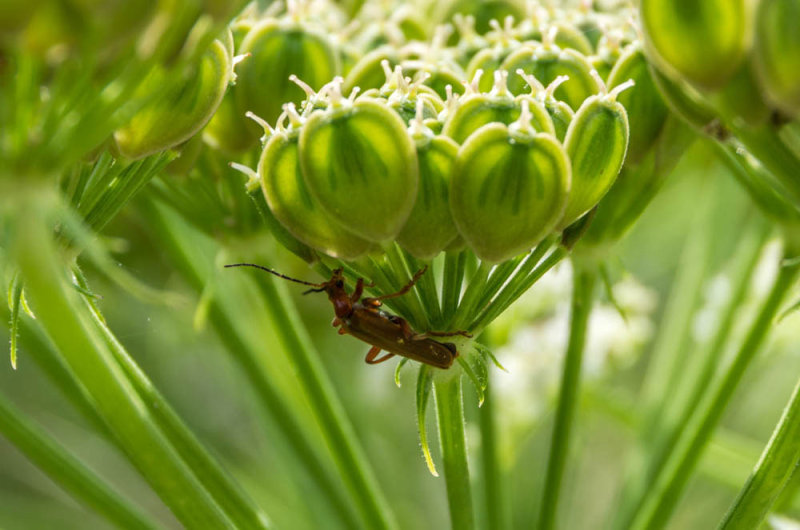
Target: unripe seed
pixel 278 50
pixel 430 228
pixel 509 188
pixel 369 72
pixel 476 110
pixel 644 105
pixel 596 143
pixel 703 41
pixel 180 110
pixel 548 62
pixel 360 164
pixel 293 205
pixel 777 53
pixel 560 113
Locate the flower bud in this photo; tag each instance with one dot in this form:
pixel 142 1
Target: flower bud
pixel 704 41
pixel 360 164
pixel 279 49
pixel 509 188
pixel 644 105
pixel 177 108
pixel 430 228
pixel 596 143
pixel 548 62
pixel 777 53
pixel 293 205
pixel 476 110
pixel 484 11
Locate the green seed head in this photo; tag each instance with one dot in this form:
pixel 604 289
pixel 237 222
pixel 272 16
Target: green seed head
pixel 705 42
pixel 644 105
pixel 546 62
pixel 776 53
pixel 278 50
pixel 596 143
pixel 510 185
pixel 430 228
pixel 177 108
pixel 291 202
pixel 360 165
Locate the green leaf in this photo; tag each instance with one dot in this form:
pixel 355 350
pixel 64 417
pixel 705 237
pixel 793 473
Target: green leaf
pixel 424 387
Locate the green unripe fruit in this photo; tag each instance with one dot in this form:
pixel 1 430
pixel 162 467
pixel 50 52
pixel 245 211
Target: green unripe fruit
pixel 705 41
pixel 360 164
pixel 776 53
pixel 644 105
pixel 484 11
pixel 560 113
pixel 509 188
pixel 430 227
pixel 596 143
pixel 293 205
pixel 477 110
pixel 369 72
pixel 180 108
pixel 684 100
pixel 548 62
pixel 568 36
pixel 279 50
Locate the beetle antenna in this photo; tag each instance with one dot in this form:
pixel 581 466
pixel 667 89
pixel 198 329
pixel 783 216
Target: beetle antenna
pixel 279 275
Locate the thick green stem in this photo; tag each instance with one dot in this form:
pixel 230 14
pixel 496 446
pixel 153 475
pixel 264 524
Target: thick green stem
pixel 226 492
pixel 452 435
pixel 697 387
pixel 336 428
pixel 64 318
pixel 584 279
pixel 454 265
pixel 669 485
pixel 771 474
pixel 495 495
pixel 247 347
pixel 69 472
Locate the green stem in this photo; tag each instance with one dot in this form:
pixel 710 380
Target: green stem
pixel 584 279
pixel 336 428
pixel 226 492
pixel 426 288
pixel 452 436
pixel 771 474
pixel 695 390
pixel 522 280
pixel 246 347
pixel 475 287
pixel 454 265
pixel 69 472
pixel 64 318
pixel 495 495
pixel 670 484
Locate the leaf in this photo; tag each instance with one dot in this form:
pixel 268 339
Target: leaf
pixel 424 387
pixel 475 368
pixel 400 366
pixel 487 353
pixel 14 297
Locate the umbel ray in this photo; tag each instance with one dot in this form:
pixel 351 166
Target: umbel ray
pixel 362 318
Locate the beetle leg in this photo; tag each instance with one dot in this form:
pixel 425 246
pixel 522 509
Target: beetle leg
pixel 336 322
pixel 407 287
pixel 359 290
pixel 373 352
pixel 372 302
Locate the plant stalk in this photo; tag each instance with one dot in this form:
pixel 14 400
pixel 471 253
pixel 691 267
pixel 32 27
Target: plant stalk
pixel 452 436
pixel 771 474
pixel 669 485
pixel 584 279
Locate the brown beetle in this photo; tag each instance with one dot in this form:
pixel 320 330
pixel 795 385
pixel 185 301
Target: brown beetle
pixel 363 319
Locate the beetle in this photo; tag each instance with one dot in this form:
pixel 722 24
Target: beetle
pixel 363 319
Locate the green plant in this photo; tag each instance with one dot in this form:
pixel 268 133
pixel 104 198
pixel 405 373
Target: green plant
pixel 495 145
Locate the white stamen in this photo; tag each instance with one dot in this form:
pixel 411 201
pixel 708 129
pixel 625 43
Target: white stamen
pixel 599 81
pixel 268 130
pixel 557 82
